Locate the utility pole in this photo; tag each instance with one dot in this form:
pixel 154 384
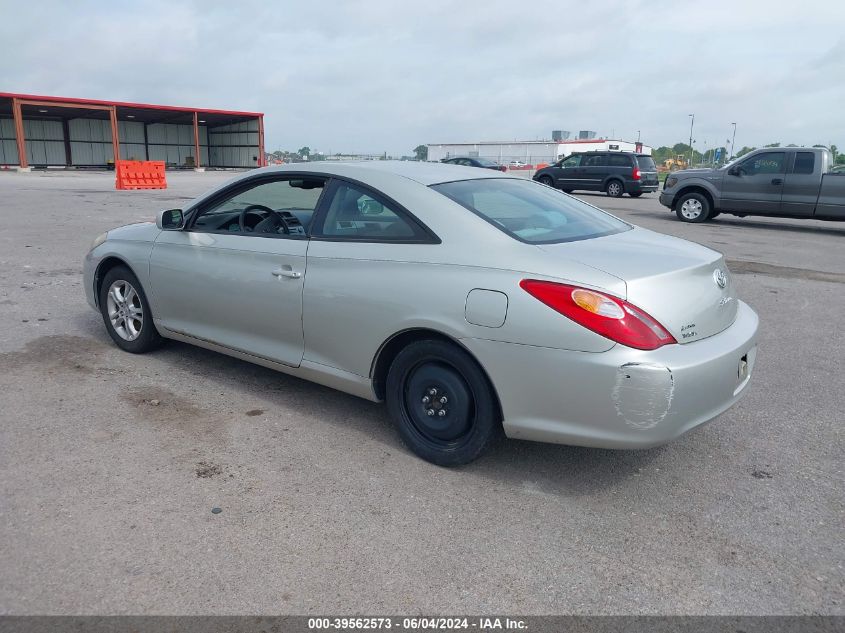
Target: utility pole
pixel 733 142
pixel 638 136
pixel 692 122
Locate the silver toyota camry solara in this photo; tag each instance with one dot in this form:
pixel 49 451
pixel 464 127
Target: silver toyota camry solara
pixel 472 302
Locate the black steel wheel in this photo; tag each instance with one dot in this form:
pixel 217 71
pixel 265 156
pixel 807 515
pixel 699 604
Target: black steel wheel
pixel 442 403
pixel 546 180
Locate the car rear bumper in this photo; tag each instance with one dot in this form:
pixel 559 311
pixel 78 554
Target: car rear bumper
pixel 635 187
pixel 623 398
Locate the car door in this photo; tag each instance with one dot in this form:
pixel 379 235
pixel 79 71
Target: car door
pixel 801 185
pixel 593 171
pixel 567 175
pixel 234 275
pixel 755 185
pixel 365 250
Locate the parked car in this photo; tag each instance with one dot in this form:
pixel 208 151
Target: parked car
pixel 791 182
pixel 615 173
pixel 516 163
pixel 474 161
pixel 471 303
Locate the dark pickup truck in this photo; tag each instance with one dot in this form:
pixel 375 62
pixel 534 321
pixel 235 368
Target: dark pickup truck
pixel 789 182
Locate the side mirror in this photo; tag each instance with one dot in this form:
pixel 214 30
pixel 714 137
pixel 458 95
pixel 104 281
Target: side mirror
pixel 170 220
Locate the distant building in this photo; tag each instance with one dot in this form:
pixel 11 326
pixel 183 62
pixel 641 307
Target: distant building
pixel 49 131
pixel 531 152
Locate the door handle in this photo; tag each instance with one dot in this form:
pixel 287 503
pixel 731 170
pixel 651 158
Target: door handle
pixel 292 274
pixel 777 181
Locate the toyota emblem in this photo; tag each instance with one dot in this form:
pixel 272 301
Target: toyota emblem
pixel 720 278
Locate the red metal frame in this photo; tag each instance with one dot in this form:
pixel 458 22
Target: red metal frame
pixel 18 117
pixel 261 161
pixel 92 103
pixel 196 140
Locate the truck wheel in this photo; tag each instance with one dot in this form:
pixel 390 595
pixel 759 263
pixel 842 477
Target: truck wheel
pixel 615 189
pixel 692 207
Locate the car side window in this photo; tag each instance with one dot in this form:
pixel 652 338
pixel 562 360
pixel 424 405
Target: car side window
pixel 765 163
pixel 272 208
pixel 618 160
pixel 805 163
pixel 572 161
pixel 595 160
pixel 356 213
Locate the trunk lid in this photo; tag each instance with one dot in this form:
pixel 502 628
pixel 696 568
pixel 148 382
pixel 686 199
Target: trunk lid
pixel 675 281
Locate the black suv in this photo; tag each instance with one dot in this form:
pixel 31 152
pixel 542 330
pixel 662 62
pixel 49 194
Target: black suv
pixel 612 172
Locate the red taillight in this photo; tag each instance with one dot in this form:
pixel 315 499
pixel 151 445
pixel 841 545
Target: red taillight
pixel 609 316
pixel 636 175
pixel 503 168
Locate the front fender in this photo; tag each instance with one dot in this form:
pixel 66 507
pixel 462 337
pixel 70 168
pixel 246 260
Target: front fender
pixel 700 184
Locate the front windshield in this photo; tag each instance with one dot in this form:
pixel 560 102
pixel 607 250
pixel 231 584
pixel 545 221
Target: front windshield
pixel 531 212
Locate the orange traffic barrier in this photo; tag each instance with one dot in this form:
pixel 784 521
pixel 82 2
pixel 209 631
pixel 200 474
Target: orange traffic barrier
pixel 140 174
pixel 541 165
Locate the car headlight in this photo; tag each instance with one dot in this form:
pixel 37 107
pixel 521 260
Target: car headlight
pixel 99 240
pixel 671 181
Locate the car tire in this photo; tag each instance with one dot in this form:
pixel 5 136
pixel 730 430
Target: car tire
pixel 636 194
pixel 126 312
pixel 546 180
pixel 431 376
pixel 614 188
pixel 567 190
pixel 693 207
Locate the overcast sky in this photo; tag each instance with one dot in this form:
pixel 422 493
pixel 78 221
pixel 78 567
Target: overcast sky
pixel 387 75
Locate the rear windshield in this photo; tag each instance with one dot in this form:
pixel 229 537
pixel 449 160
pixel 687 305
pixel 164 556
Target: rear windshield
pixel 531 212
pixel 646 163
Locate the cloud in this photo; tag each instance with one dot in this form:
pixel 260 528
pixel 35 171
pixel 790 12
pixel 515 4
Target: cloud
pixel 380 75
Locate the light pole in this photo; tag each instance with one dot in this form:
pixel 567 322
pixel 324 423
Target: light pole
pixel 638 136
pixel 691 123
pixel 733 142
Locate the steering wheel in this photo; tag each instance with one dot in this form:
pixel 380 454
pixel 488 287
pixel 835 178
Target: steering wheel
pixel 260 207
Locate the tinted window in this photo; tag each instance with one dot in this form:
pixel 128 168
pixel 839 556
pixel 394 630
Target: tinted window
pixel 804 163
pixel 358 214
pixel 572 161
pixel 765 163
pixel 618 160
pixel 531 212
pixel 646 163
pixel 594 160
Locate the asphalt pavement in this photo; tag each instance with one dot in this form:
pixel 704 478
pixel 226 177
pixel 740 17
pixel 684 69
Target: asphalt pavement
pixel 110 464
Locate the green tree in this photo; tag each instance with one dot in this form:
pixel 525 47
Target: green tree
pixel 421 152
pixel 772 145
pixel 744 151
pixel 304 152
pixel 834 152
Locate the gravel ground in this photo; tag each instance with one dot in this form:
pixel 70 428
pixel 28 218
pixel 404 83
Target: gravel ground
pixel 110 464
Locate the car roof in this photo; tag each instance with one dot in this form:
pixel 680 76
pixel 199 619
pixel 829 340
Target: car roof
pixel 424 173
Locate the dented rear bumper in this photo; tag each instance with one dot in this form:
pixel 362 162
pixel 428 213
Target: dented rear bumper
pixel 623 398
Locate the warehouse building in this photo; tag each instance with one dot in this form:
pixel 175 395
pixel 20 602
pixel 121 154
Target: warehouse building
pixel 531 152
pixel 39 131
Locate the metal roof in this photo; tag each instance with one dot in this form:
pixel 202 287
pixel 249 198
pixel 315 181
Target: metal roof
pixel 123 104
